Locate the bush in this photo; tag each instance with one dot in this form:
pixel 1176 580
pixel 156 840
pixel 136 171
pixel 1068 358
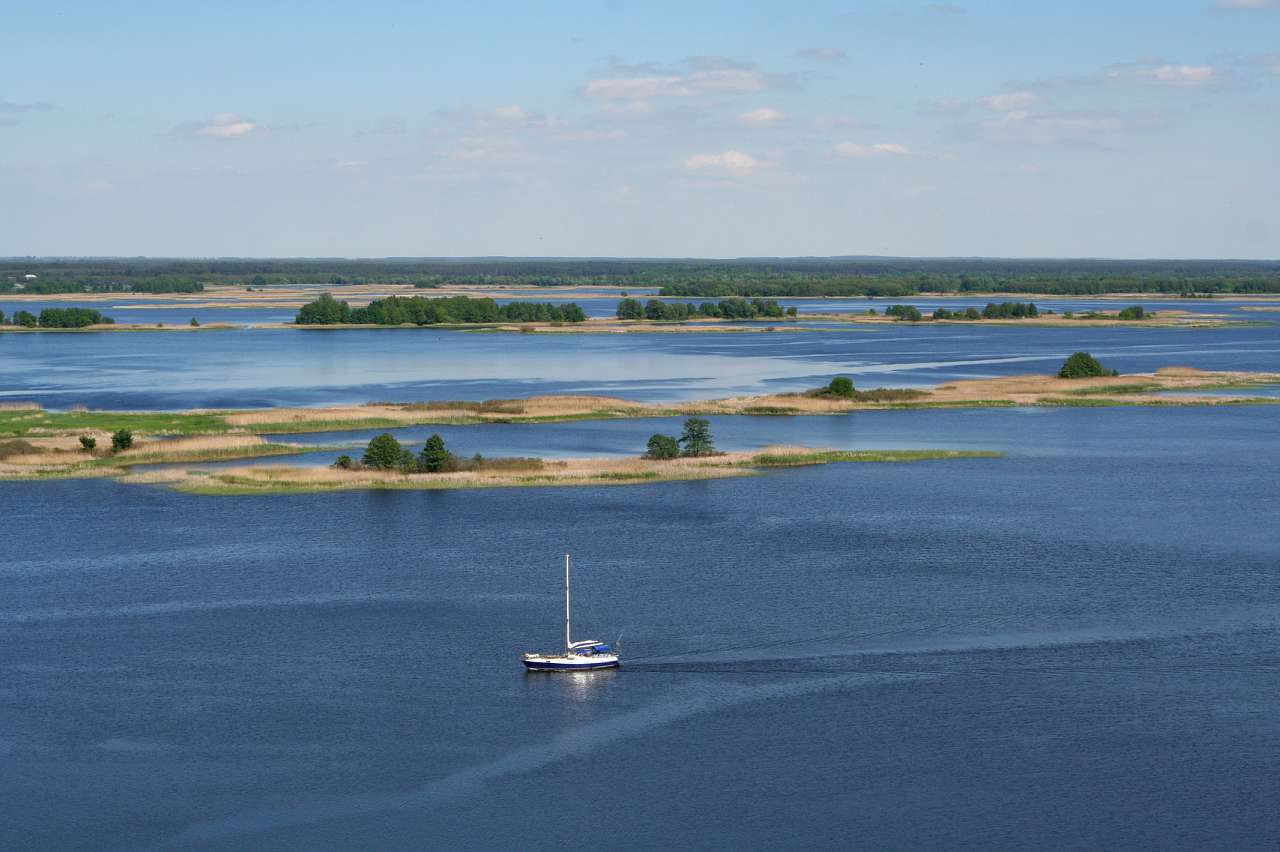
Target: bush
pixel 1082 365
pixel 88 443
pixel 907 313
pixel 195 323
pixel 841 386
pixel 121 440
pixel 17 447
pixel 385 453
pixel 662 447
pixel 26 319
pixel 344 462
pixel 1135 312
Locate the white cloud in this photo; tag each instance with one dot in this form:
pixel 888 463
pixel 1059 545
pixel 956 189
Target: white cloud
pixel 511 113
pixel 621 88
pixel 728 162
pixel 826 54
pixel 1173 75
pixel 224 125
pixel 1006 101
pixel 866 152
pixel 691 78
pixel 632 109
pixel 761 117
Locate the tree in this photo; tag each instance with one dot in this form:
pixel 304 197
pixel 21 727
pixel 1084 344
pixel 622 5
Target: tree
pixel 1082 365
pixel 841 386
pixel 696 439
pixel 630 309
pixel 662 447
pixel 121 440
pixel 1 317
pixel 325 310
pixel 1134 312
pixel 195 323
pixel 792 311
pixel 384 453
pixel 344 462
pixel 88 442
pixel 434 456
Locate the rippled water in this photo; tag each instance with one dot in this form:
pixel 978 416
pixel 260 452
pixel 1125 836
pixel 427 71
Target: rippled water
pixel 1073 646
pixel 299 367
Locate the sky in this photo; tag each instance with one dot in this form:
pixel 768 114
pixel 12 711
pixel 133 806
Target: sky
pixel 641 129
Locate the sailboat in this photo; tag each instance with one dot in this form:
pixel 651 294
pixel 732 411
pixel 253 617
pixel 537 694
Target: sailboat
pixel 578 656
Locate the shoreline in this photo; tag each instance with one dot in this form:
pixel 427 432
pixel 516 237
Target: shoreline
pixel 24 420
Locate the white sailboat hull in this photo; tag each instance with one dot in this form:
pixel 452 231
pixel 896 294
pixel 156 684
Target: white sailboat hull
pixel 569 662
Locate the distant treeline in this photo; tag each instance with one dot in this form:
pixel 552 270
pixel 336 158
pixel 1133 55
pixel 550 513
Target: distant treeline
pixel 45 286
pixel 632 309
pixel 418 310
pixel 56 318
pixel 708 279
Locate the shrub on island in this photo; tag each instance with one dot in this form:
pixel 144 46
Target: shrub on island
pixel 121 441
pixel 1082 365
pixel 662 447
pixel 841 386
pixel 904 313
pixel 88 443
pixel 1136 312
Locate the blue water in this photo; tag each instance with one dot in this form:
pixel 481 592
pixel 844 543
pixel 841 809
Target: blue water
pixel 1074 646
pixel 604 303
pixel 261 367
pixel 1027 652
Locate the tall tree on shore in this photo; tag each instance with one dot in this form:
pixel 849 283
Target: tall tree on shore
pixel 384 453
pixel 434 456
pixel 696 439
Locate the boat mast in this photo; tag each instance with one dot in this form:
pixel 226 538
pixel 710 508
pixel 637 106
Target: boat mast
pixel 568 642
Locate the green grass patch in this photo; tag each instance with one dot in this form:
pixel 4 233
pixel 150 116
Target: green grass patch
pixel 771 411
pixel 20 423
pixel 837 456
pixel 1118 389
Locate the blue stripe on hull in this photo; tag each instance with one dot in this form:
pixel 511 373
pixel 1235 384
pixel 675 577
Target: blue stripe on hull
pixel 547 667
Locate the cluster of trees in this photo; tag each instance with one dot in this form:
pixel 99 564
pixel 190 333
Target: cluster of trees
pixel 993 310
pixel 419 310
pixel 966 314
pixel 694 441
pixel 1010 310
pixel 655 309
pixel 1136 312
pixel 907 313
pixel 57 318
pixel 384 452
pixel 1082 365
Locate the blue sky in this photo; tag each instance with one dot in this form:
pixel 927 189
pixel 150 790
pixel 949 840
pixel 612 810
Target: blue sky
pixel 1142 129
